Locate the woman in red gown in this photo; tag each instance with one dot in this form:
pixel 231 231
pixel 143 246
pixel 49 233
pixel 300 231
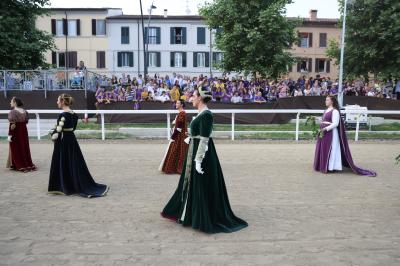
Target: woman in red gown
pixel 177 148
pixel 19 156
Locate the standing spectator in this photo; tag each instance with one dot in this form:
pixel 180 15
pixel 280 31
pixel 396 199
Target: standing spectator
pixel 397 90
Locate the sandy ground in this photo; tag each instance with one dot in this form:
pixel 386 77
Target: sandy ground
pixel 296 216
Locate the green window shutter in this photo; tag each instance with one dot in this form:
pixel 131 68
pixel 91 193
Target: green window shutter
pixel 172 59
pixel 172 35
pixel 158 32
pixel 201 35
pixel 184 59
pixel 183 35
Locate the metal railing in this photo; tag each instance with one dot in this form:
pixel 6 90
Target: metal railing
pixel 49 80
pixel 168 113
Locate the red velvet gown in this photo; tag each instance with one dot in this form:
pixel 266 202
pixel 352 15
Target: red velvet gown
pixel 19 156
pixel 177 148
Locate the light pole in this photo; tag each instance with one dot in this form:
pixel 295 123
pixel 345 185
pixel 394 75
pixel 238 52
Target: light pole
pixel 340 94
pixel 146 53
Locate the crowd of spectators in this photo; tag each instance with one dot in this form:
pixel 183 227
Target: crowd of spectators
pixel 234 90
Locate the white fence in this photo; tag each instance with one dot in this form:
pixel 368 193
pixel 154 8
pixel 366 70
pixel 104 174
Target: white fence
pixel 168 113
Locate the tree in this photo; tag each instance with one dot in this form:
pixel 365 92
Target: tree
pixel 372 41
pixel 22 46
pixel 255 36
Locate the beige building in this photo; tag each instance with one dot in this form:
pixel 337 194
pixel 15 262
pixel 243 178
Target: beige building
pixel 80 35
pixel 96 35
pixel 315 34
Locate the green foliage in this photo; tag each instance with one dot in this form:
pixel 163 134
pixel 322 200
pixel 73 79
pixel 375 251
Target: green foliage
pixel 312 120
pixel 372 39
pixel 255 36
pixel 22 46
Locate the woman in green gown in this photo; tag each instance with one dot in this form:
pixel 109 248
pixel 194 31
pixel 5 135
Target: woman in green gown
pixel 201 200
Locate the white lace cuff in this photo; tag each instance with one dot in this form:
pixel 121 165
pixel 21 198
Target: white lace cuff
pixel 202 149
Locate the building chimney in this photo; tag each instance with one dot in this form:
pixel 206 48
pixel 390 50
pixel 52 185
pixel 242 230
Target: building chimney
pixel 313 14
pixel 165 13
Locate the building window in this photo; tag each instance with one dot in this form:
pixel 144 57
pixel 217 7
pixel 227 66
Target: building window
pixel 322 65
pixel 305 40
pixel 201 35
pixel 153 35
pixel 178 35
pixel 60 60
pixel 154 59
pixel 304 65
pixel 125 59
pixel 72 27
pixel 124 35
pixel 98 27
pixel 201 59
pixel 101 59
pixel 59 27
pixel 178 59
pixel 322 39
pixel 217 58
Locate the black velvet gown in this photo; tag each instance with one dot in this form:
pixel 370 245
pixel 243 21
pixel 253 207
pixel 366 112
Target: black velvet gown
pixel 69 173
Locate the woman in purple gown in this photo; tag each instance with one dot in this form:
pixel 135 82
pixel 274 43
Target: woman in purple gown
pixel 332 151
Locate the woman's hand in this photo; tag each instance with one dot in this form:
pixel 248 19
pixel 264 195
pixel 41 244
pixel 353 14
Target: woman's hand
pixel 9 138
pixel 13 126
pixel 198 168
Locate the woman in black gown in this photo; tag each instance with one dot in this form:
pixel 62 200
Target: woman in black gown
pixel 68 172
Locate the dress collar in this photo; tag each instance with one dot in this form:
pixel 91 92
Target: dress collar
pixel 202 111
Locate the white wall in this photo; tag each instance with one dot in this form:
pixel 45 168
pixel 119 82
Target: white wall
pixel 114 46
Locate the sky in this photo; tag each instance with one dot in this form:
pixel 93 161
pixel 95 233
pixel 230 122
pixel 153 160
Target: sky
pixel 326 8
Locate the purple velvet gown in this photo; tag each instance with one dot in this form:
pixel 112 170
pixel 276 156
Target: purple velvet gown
pixel 323 149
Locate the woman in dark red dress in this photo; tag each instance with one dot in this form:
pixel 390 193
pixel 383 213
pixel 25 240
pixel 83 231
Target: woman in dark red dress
pixel 177 148
pixel 19 156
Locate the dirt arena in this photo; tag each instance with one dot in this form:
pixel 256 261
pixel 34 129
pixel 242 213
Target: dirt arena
pixel 296 216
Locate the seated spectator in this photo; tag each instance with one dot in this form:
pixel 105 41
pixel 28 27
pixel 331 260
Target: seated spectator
pixel 162 98
pixel 259 98
pixel 236 98
pixel 298 92
pixel 129 94
pixel 145 96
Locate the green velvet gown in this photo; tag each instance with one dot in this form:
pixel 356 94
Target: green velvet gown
pixel 201 200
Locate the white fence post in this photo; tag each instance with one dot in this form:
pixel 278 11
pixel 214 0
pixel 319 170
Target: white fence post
pixel 297 126
pixel 38 126
pixel 103 131
pixel 168 126
pixel 357 127
pixel 233 126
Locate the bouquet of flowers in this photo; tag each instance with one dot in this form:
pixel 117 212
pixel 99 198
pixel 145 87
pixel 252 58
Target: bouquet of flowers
pixel 314 127
pixel 398 159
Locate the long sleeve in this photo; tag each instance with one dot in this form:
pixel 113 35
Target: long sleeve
pixel 206 125
pixel 179 125
pixel 335 120
pixel 12 120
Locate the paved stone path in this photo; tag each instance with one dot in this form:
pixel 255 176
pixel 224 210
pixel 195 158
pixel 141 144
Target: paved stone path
pixel 296 216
